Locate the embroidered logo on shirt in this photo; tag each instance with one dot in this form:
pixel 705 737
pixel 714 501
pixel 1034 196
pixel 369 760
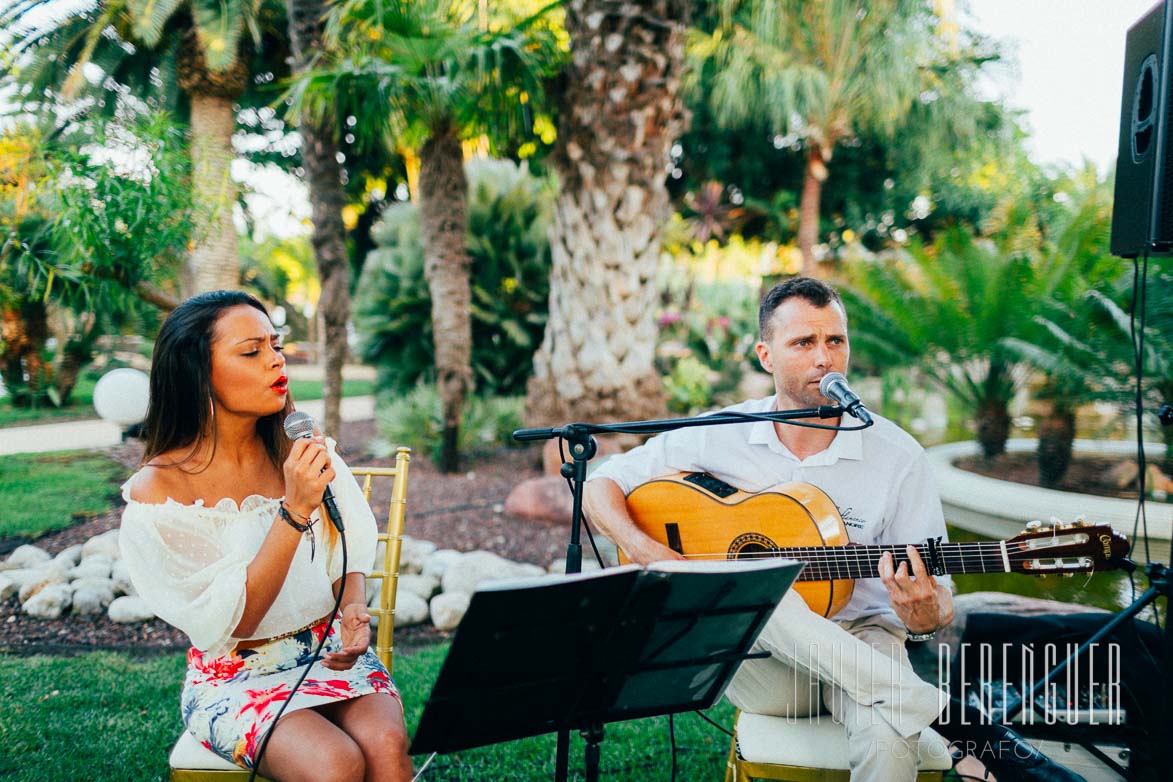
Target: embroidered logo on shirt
pixel 851 520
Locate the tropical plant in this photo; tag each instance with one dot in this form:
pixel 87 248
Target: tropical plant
pixel 620 112
pixel 323 175
pixel 508 220
pixel 818 75
pixel 414 419
pixel 1065 343
pixel 143 48
pixel 425 75
pixel 94 234
pixel 705 346
pixel 947 309
pixel 1087 355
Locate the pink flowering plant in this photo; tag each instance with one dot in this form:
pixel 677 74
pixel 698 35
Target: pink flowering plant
pixel 706 336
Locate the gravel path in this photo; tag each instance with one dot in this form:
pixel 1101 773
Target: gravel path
pixel 461 511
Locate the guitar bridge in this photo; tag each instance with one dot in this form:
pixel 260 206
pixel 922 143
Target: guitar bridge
pixel 673 533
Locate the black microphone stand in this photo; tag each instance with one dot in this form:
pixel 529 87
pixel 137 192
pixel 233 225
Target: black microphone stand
pixel 581 441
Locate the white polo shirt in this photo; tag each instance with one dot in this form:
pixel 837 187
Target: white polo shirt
pixel 878 477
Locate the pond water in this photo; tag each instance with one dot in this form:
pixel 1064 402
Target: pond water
pixel 1110 590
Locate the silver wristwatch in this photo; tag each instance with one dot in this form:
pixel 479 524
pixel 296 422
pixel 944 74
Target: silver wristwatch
pixel 911 636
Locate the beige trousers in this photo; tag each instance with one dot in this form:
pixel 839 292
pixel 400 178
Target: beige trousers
pixel 858 670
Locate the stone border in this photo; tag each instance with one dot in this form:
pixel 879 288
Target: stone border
pixel 1001 509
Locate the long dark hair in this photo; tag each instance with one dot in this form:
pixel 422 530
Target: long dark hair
pixel 179 413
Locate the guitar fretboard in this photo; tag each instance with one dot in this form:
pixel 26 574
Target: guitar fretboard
pixel 864 561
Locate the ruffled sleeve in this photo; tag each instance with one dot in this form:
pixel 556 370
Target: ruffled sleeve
pixel 188 572
pixel 362 532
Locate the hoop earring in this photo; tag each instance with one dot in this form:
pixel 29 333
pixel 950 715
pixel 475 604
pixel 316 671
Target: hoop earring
pixel 212 410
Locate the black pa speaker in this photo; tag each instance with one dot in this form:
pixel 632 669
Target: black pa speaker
pixel 1142 214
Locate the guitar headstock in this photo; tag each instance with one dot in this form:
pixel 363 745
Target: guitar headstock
pixel 1080 547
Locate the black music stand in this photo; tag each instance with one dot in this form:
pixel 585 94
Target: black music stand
pixel 574 652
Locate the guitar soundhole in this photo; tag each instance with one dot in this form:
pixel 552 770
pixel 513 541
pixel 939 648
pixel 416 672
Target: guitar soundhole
pixel 752 545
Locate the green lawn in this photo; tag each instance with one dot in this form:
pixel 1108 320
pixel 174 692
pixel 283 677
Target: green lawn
pixel 41 492
pixel 312 389
pixel 105 716
pixel 81 405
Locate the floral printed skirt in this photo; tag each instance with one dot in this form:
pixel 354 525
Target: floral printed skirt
pixel 229 702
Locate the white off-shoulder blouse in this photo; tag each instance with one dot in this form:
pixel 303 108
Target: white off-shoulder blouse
pixel 188 562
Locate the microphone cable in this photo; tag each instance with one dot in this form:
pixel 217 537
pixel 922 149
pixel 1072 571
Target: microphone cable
pixel 317 654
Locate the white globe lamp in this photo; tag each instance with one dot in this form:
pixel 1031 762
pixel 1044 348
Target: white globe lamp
pixel 121 397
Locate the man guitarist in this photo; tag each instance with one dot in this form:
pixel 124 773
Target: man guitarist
pixel 884 490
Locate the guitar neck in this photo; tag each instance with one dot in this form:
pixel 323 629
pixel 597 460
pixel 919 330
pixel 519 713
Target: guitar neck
pixel 864 561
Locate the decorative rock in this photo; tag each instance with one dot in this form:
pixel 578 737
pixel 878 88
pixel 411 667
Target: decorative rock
pixel 449 608
pixel 105 543
pixel 422 586
pixel 37 580
pixel 475 568
pixel 414 553
pixel 129 608
pixel 94 566
pixel 50 602
pixel 9 586
pixel 540 499
pixel 439 561
pixel 25 557
pixel 69 558
pixel 92 595
pixel 410 609
pixel 121 577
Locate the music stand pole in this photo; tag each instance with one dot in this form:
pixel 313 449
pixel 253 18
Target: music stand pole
pixel 582 449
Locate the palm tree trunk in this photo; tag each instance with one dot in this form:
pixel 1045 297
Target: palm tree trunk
pixel 327 198
pixel 12 336
pixel 1056 442
pixel 443 224
pixel 212 264
pixel 621 113
pixel 993 426
pixel 814 175
pixel 24 328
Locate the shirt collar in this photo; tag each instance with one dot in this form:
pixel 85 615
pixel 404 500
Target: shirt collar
pixel 846 445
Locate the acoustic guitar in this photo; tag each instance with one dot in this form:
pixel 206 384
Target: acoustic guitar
pixel 700 516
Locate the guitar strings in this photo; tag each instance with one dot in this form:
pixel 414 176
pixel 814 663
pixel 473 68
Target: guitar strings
pixel 831 562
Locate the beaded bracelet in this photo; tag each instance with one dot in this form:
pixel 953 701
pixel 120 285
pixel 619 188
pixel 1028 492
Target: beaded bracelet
pixel 307 528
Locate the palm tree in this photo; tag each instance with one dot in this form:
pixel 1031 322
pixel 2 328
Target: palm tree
pixel 621 110
pixel 947 308
pixel 201 45
pixel 323 174
pixel 964 307
pixel 820 72
pixel 425 75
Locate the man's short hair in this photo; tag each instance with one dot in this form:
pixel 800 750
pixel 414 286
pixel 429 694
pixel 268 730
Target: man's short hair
pixel 817 292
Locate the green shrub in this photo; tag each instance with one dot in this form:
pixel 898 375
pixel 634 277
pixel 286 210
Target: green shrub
pixel 508 216
pixel 705 344
pixel 413 419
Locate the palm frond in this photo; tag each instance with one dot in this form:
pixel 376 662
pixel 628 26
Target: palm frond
pixel 151 17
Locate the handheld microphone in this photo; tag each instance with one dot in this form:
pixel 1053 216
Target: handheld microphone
pixel 834 387
pixel 298 426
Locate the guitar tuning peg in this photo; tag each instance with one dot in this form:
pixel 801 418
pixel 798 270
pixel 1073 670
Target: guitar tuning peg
pixel 1068 575
pixel 1031 526
pixel 1081 521
pixel 1056 522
